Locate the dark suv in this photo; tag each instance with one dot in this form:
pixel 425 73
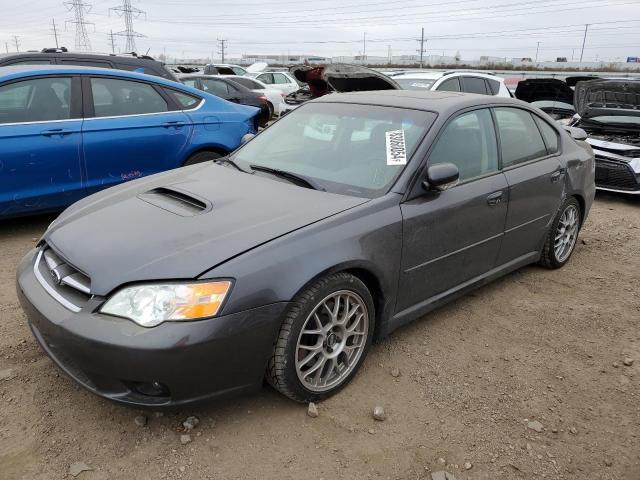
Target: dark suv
pixel 60 56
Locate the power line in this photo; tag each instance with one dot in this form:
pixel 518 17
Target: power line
pixel 79 8
pixel 129 13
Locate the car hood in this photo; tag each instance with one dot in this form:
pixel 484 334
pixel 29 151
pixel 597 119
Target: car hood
pixel 339 77
pixel 179 224
pixel 598 98
pixel 544 89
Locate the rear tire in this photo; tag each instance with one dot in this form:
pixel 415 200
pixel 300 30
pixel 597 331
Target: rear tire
pixel 201 157
pixel 323 340
pixel 563 235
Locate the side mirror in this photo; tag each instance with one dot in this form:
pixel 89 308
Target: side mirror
pixel 441 176
pixel 246 137
pixel 576 133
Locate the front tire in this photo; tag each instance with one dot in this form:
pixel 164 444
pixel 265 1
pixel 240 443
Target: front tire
pixel 323 339
pixel 563 235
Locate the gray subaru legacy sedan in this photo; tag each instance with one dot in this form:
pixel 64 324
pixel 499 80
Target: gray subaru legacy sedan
pixel 344 220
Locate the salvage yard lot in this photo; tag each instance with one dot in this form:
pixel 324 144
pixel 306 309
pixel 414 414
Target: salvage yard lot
pixel 535 346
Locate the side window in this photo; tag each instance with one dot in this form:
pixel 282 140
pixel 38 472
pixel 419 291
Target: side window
pixel 451 85
pixel 549 134
pixel 474 85
pixel 520 139
pixel 190 82
pixel 113 98
pixel 37 100
pixel 238 70
pixel 493 86
pixel 469 142
pixel 266 78
pixel 214 87
pixel 186 101
pixel 280 78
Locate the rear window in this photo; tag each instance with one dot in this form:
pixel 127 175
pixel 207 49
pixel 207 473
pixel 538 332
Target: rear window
pixel 451 85
pixel 549 134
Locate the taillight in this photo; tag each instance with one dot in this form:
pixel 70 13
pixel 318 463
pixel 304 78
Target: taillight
pixel 263 98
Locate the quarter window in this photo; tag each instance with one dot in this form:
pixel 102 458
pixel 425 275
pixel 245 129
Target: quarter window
pixel 37 100
pixel 112 98
pixel 185 101
pixel 469 142
pixel 451 85
pixel 549 134
pixel 520 139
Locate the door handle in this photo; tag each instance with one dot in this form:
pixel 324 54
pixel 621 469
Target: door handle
pixel 555 176
pixel 55 131
pixel 495 198
pixel 174 124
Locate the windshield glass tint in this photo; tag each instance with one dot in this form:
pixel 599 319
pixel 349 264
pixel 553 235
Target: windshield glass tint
pixel 414 83
pixel 342 147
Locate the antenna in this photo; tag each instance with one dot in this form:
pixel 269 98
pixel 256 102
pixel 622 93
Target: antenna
pixel 79 8
pixel 129 13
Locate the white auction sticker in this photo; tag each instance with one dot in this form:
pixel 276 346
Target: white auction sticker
pixel 396 149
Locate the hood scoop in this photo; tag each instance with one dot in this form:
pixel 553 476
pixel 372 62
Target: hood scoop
pixel 176 201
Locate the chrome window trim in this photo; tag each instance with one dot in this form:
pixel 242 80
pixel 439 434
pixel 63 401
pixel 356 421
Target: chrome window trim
pixel 79 119
pixel 63 301
pixel 149 114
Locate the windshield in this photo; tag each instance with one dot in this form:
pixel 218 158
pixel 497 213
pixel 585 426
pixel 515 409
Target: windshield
pixel 343 148
pixel 415 83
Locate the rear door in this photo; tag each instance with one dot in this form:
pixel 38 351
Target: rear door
pixel 221 89
pixel 535 177
pixel 452 237
pixel 40 144
pixel 132 129
pixel 284 83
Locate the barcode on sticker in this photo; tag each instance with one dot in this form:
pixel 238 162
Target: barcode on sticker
pixel 396 149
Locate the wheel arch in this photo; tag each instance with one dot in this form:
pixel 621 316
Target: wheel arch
pixel 205 148
pixel 366 275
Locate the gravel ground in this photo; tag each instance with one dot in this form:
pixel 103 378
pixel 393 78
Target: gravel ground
pixel 523 379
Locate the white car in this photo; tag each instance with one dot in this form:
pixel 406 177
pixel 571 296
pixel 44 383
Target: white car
pixel 275 98
pixel 282 81
pixel 223 69
pixel 454 81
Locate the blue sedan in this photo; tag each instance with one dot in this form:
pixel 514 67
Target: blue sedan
pixel 68 132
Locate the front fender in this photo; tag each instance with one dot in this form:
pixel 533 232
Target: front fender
pixel 366 238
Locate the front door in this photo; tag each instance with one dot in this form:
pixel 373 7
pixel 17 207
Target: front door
pixel 132 132
pixel 40 145
pixel 454 236
pixel 535 178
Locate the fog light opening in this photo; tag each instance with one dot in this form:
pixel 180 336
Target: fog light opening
pixel 151 389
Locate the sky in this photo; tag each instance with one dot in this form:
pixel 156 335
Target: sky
pixel 191 28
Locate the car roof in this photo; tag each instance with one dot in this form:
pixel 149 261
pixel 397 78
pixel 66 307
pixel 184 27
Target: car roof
pixel 439 102
pixel 418 75
pixel 12 72
pixel 121 58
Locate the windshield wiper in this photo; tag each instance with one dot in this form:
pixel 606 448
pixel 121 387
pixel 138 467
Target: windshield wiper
pixel 299 179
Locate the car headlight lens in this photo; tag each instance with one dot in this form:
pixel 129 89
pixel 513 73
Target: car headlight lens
pixel 150 305
pixel 635 165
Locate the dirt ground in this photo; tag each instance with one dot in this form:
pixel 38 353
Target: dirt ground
pixel 537 345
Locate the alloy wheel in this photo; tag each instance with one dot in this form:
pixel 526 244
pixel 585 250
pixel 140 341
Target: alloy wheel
pixel 566 233
pixel 332 340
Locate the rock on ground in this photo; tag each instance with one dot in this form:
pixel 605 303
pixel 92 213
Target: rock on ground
pixel 312 410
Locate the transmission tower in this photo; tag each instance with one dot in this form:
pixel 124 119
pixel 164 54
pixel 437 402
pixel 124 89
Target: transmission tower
pixel 79 8
pixel 129 13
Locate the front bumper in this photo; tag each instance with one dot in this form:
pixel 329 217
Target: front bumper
pixel 178 362
pixel 615 175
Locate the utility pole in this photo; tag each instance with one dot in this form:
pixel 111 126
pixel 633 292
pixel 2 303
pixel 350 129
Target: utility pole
pixel 584 40
pixel 16 41
pixel 112 42
pixel 537 51
pixel 573 52
pixel 364 47
pixel 389 54
pixel 129 13
pixel 222 47
pixel 55 30
pixel 6 46
pixel 421 50
pixel 79 8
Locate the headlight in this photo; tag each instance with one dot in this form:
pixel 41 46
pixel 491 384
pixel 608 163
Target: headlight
pixel 150 305
pixel 635 164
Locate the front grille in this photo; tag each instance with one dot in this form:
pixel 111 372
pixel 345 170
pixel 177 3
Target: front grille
pixel 62 281
pixel 612 174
